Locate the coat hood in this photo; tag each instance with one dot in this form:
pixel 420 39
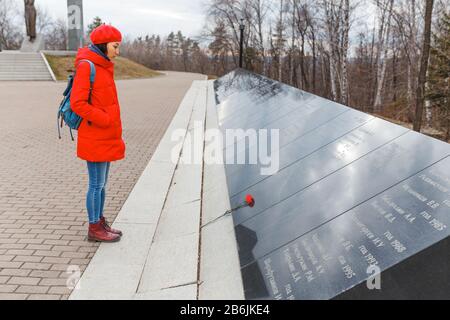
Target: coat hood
pixel 88 54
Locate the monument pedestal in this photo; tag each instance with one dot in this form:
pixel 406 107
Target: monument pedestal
pixel 37 45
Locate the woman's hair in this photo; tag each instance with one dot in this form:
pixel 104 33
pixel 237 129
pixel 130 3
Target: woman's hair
pixel 103 47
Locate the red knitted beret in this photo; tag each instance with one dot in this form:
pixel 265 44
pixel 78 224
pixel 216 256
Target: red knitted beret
pixel 104 34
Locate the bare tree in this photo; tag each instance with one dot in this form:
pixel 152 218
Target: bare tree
pixel 337 20
pixel 258 10
pixel 309 44
pixel 405 17
pixel 344 55
pixel 423 65
pixel 292 4
pixel 302 26
pixel 56 36
pixel 10 36
pixel 229 14
pixel 312 35
pixel 386 8
pixel 331 26
pixel 278 44
pixel 44 20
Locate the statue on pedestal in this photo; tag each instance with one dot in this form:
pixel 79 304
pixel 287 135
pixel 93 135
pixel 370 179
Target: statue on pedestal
pixel 30 19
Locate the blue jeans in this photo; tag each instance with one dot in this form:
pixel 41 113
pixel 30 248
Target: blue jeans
pixel 95 199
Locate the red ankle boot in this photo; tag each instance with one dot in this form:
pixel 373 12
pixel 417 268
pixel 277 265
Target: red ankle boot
pixel 98 233
pixel 108 228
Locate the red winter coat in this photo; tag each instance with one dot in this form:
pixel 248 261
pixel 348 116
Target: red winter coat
pixel 100 132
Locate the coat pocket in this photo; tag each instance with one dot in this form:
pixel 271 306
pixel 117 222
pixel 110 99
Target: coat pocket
pixel 113 112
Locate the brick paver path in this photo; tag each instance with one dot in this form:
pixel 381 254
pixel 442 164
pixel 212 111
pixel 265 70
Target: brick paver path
pixel 43 185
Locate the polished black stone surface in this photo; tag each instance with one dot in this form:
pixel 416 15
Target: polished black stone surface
pixel 310 169
pixel 306 144
pixel 352 190
pixel 335 256
pixel 339 192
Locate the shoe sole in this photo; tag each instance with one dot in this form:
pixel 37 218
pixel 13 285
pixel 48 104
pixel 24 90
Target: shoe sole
pixel 106 241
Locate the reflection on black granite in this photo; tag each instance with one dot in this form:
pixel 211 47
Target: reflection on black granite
pixel 384 231
pixel 352 191
pixel 243 176
pixel 316 166
pixel 247 240
pixel 333 195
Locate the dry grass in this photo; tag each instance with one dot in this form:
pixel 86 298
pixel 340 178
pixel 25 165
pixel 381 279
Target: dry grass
pixel 432 132
pixel 127 69
pixel 63 66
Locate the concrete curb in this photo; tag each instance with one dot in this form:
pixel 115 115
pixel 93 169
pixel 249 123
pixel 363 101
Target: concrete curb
pixel 220 272
pixel 172 262
pixel 48 66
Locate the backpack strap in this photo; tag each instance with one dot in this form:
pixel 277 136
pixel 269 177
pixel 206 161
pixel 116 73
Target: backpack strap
pixel 91 80
pixel 91 77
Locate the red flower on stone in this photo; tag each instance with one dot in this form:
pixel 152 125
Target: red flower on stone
pixel 250 200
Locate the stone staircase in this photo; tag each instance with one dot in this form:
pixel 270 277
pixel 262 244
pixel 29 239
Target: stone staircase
pixel 16 65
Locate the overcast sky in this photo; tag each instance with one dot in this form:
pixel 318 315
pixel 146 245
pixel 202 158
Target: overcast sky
pixel 138 17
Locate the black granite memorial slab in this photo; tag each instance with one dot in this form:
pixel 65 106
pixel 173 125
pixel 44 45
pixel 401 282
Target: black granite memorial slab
pixel 329 197
pixel 335 257
pixel 352 193
pixel 301 147
pixel 314 167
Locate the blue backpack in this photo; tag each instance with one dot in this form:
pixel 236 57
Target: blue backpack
pixel 65 113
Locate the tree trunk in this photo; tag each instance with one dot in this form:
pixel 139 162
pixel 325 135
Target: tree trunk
pixel 333 78
pixel 324 72
pixel 423 66
pixel 447 135
pixel 371 70
pixel 332 43
pixel 292 55
pixel 314 63
pixel 344 86
pixel 280 40
pixel 305 85
pixel 382 63
pixel 394 76
pixel 412 67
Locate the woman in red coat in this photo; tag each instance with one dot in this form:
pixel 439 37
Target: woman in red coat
pixel 100 133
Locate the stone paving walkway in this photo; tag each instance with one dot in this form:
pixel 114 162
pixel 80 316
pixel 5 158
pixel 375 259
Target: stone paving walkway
pixel 43 219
